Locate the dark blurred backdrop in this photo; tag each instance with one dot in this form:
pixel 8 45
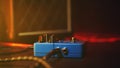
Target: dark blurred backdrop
pixel 97 16
pixel 87 16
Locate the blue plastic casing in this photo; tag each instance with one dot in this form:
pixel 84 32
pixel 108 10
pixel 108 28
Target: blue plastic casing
pixel 75 50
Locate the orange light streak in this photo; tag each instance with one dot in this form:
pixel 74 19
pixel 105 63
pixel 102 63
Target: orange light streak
pixel 11 29
pixel 16 44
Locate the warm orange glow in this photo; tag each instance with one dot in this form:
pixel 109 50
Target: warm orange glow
pixel 16 44
pixel 11 30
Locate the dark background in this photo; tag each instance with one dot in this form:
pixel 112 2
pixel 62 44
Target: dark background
pixel 89 16
pixel 97 16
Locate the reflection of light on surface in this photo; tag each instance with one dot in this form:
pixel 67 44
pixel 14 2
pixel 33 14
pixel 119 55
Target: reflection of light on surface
pixel 16 44
pixel 96 38
pixel 11 20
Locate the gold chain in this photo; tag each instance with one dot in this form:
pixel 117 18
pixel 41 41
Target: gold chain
pixel 29 58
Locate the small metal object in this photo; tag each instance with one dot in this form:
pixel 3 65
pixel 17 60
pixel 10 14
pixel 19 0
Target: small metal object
pixel 73 39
